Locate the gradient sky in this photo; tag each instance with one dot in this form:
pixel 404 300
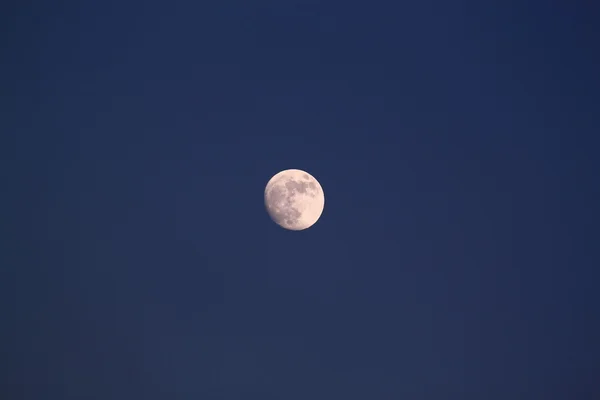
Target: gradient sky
pixel 456 143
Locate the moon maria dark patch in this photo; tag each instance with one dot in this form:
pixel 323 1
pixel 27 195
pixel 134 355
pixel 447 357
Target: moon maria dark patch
pixel 296 186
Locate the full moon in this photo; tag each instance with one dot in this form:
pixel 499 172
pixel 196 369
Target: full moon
pixel 294 199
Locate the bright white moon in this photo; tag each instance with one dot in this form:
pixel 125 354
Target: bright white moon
pixel 294 199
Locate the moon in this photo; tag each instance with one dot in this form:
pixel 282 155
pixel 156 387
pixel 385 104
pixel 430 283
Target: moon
pixel 294 199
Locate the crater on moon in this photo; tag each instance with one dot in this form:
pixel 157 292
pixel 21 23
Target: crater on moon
pixel 294 199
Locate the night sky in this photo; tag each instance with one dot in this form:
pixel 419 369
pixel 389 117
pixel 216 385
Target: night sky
pixel 456 143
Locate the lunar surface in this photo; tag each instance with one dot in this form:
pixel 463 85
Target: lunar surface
pixel 294 199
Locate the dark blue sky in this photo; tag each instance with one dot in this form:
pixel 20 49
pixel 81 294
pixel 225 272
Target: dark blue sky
pixel 456 144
